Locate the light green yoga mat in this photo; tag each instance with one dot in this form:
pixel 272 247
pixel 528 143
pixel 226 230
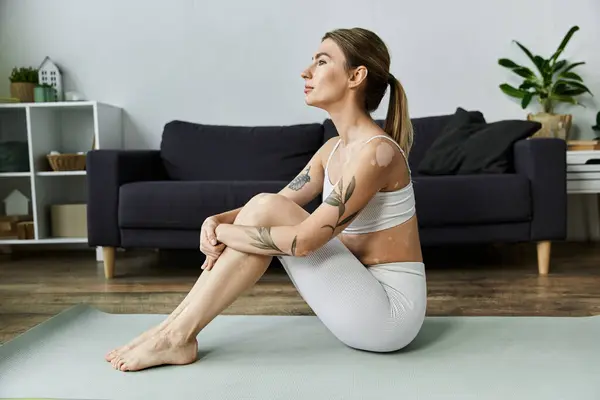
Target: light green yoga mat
pixel 295 357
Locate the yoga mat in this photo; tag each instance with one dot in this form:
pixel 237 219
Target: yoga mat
pixel 295 357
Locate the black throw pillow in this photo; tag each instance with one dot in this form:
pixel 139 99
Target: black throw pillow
pixel 445 155
pixel 490 149
pixel 470 145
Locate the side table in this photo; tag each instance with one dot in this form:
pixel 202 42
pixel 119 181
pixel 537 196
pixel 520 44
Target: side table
pixel 583 177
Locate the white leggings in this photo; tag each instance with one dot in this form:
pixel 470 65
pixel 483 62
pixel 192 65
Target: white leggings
pixel 380 308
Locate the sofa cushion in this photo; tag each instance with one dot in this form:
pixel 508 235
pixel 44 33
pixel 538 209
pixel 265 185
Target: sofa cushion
pixel 184 205
pixel 426 131
pixel 445 155
pixel 262 153
pixel 470 145
pixel 472 199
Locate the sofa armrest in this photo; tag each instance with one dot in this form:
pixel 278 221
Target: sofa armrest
pixel 544 162
pixel 107 170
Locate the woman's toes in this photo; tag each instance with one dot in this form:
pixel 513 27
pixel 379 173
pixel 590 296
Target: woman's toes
pixel 111 355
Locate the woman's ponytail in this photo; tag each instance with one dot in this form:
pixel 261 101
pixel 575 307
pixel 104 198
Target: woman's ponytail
pixel 397 122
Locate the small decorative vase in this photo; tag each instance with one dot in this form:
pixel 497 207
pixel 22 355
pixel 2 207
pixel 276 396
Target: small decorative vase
pixel 553 125
pixel 44 95
pixel 22 91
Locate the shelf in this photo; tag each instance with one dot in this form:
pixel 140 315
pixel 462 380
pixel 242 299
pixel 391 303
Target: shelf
pixel 58 104
pixel 15 174
pixel 61 173
pixel 44 241
pixel 66 127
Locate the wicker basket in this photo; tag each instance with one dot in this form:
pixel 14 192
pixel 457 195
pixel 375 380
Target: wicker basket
pixel 67 162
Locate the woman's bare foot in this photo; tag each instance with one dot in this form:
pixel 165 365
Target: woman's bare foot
pixel 163 348
pixel 137 341
pixel 144 336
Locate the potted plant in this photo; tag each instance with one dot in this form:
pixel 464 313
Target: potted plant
pixel 555 82
pixel 23 82
pixel 596 128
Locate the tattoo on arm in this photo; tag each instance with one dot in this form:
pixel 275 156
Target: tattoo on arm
pixel 298 182
pixel 264 241
pixel 294 246
pixel 335 199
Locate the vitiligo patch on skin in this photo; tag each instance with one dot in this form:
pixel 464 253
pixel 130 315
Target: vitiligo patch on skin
pixel 373 162
pixel 384 154
pixel 261 200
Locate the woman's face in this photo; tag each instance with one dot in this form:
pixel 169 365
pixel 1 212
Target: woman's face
pixel 325 79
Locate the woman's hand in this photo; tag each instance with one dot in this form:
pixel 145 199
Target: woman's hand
pixel 208 242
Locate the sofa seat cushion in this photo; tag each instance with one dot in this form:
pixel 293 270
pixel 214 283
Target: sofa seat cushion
pixel 472 199
pixel 184 204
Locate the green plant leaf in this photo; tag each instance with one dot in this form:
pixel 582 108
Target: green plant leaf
pixel 574 84
pixel 564 99
pixel 505 62
pixel 570 92
pixel 541 64
pixel 526 100
pixel 564 43
pixel 524 72
pixel 570 67
pixel 531 57
pixel 528 84
pixel 571 75
pixel 511 91
pixel 558 66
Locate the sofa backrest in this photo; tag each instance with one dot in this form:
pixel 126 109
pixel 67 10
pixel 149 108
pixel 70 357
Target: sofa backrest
pixel 426 130
pixel 192 151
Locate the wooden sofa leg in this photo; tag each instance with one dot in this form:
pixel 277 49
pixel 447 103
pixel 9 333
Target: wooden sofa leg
pixel 543 255
pixel 109 261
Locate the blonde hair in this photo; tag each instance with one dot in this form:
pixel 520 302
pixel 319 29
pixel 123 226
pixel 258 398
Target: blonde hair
pixel 362 47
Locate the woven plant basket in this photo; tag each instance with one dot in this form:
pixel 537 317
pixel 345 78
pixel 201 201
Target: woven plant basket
pixel 67 162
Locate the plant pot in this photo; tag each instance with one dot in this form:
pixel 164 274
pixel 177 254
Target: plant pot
pixel 22 91
pixel 553 125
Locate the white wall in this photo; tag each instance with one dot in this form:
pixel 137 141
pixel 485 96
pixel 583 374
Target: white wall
pixel 238 62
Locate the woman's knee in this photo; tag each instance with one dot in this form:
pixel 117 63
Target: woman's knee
pixel 259 209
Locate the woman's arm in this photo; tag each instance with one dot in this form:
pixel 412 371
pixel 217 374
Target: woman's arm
pixel 228 217
pixel 259 239
pixel 307 185
pixel 356 187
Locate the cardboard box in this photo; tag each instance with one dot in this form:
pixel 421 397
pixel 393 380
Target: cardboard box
pixel 25 230
pixel 69 220
pixel 9 225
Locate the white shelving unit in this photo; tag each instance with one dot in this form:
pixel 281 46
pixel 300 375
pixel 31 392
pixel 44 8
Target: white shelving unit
pixel 67 127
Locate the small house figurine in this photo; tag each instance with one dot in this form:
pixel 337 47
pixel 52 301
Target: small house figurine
pixel 50 74
pixel 16 204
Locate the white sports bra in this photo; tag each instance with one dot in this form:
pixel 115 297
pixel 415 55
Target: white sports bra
pixel 385 209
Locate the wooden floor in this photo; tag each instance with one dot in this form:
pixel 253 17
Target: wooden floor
pixel 478 280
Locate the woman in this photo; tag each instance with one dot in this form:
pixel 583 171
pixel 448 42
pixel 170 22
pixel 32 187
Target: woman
pixel 356 260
